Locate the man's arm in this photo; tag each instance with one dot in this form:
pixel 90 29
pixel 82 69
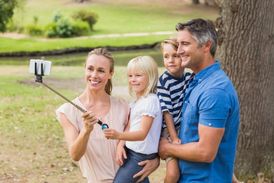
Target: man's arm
pixel 204 150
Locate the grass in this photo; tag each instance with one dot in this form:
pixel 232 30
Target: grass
pixel 35 44
pixel 77 59
pixel 113 18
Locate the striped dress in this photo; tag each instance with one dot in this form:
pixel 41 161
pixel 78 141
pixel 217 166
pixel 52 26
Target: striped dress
pixel 171 92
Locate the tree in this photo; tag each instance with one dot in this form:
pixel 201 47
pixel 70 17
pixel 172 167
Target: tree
pixel 80 1
pixel 195 1
pixel 6 11
pixel 246 30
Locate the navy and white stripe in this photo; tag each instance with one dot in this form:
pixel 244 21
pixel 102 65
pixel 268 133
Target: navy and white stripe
pixel 171 92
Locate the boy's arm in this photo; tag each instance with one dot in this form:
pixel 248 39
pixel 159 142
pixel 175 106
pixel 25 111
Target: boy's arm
pixel 170 126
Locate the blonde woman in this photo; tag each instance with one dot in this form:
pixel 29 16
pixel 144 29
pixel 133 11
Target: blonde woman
pixel 85 138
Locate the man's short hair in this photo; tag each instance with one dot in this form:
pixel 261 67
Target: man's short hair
pixel 202 31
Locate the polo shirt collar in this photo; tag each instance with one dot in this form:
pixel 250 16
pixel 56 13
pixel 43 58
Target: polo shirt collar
pixel 206 72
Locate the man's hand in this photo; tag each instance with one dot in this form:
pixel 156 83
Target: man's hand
pixel 163 146
pixel 176 140
pixel 111 133
pixel 148 167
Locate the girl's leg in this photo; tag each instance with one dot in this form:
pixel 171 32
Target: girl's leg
pixel 172 171
pixel 130 168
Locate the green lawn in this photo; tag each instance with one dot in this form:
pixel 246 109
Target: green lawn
pixel 113 18
pixel 36 44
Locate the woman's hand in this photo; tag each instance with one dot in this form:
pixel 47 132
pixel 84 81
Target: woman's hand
pixel 89 121
pixel 120 153
pixel 111 134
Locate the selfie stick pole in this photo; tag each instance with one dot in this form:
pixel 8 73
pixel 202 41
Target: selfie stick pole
pixel 39 79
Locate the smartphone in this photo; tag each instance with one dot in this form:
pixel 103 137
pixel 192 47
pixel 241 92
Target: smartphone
pixel 41 65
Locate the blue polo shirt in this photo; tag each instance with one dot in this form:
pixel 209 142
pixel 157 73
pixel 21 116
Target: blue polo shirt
pixel 210 100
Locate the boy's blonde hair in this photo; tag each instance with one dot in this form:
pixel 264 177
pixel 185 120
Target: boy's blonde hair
pixel 148 66
pixel 173 42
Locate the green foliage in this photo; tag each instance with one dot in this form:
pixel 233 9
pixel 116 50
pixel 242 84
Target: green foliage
pixel 60 27
pixel 86 16
pixel 80 28
pixel 6 9
pixel 63 27
pixel 34 30
pixel 14 27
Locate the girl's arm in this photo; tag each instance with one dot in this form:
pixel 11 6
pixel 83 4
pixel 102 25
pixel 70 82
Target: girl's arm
pixel 138 135
pixel 77 142
pixel 170 127
pixel 120 152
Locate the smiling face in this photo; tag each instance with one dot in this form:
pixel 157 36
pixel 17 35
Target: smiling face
pixel 172 61
pixel 138 81
pixel 191 53
pixel 97 72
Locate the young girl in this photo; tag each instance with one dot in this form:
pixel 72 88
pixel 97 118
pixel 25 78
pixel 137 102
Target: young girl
pixel 143 133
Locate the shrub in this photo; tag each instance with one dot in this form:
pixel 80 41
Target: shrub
pixel 80 28
pixel 34 30
pixel 86 16
pixel 14 27
pixel 61 28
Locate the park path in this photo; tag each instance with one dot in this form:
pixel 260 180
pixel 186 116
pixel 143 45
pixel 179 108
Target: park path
pixel 136 34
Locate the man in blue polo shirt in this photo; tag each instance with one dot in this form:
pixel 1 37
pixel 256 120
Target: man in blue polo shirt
pixel 210 113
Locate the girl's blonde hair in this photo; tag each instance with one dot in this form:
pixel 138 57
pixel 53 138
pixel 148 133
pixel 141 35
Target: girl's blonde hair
pixel 173 42
pixel 148 66
pixel 104 52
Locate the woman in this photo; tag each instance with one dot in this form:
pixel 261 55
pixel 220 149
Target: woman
pixel 85 139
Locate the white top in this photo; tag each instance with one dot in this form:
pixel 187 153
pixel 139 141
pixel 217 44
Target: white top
pixel 98 163
pixel 150 106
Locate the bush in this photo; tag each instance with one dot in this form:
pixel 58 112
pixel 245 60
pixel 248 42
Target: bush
pixel 60 28
pixel 80 28
pixel 34 30
pixel 86 16
pixel 14 27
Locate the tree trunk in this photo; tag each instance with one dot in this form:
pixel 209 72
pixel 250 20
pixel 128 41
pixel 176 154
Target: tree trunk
pixel 246 30
pixel 195 2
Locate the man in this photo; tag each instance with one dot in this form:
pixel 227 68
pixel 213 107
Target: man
pixel 210 112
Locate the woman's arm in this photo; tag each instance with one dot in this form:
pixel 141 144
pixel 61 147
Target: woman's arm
pixel 138 135
pixel 77 142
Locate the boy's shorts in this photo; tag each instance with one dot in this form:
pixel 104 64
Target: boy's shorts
pixel 166 134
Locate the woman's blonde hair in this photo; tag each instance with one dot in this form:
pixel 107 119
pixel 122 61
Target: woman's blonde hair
pixel 104 52
pixel 148 66
pixel 173 42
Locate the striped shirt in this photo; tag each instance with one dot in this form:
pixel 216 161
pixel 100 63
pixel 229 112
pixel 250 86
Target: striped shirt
pixel 171 92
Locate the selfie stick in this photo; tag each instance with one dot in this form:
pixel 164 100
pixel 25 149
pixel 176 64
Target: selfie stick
pixel 39 79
